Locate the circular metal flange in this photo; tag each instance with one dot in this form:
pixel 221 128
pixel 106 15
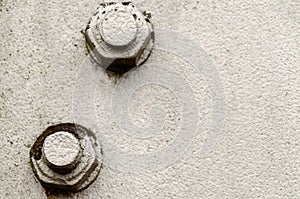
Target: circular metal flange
pixel 66 157
pixel 119 36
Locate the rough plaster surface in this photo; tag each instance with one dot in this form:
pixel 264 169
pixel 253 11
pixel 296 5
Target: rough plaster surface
pixel 255 47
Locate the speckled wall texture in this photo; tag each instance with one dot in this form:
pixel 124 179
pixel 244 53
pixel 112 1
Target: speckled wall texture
pixel 214 112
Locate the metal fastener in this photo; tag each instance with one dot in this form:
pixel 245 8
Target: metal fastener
pixel 62 151
pixel 119 36
pixel 66 157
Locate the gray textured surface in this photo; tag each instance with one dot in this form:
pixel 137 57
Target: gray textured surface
pixel 119 36
pixel 61 149
pixel 72 173
pixel 255 47
pixel 119 28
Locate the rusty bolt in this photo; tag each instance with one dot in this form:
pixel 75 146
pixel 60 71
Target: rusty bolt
pixel 66 157
pixel 119 36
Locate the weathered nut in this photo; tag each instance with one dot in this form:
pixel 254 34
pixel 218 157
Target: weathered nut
pixel 66 157
pixel 119 36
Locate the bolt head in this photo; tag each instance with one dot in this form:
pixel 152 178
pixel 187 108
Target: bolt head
pixel 119 36
pixel 62 151
pixel 119 29
pixel 66 157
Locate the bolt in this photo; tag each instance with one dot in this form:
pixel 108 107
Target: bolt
pixel 62 151
pixel 119 29
pixel 119 36
pixel 66 157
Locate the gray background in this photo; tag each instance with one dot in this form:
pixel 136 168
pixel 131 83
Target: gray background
pixel 253 44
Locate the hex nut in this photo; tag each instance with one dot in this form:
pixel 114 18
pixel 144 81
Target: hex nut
pixel 66 157
pixel 119 36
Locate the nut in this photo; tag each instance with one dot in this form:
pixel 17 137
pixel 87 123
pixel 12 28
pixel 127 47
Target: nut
pixel 66 157
pixel 119 36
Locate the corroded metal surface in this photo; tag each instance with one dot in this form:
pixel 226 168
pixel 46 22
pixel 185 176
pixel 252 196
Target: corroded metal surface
pixel 119 36
pixel 62 151
pixel 66 157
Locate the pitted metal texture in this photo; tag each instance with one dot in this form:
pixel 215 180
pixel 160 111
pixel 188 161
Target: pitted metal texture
pixel 66 157
pixel 119 36
pixel 62 151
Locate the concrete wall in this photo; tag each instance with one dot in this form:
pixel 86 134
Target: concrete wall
pixel 245 80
